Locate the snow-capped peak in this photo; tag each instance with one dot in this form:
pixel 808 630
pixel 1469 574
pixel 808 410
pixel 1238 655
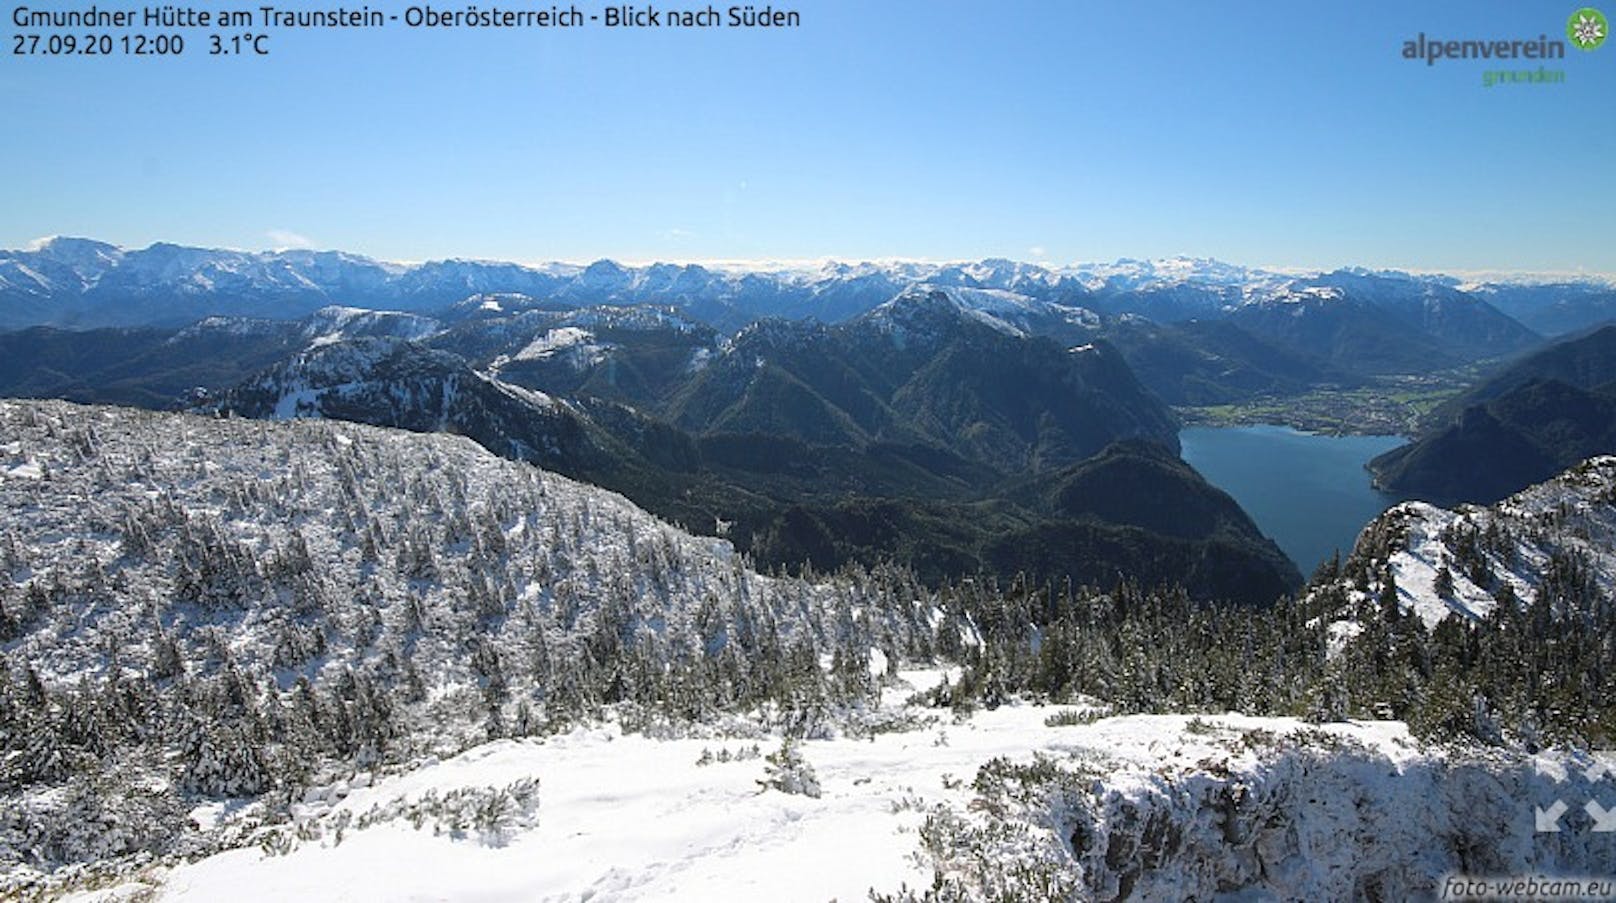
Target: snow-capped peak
pixel 1006 312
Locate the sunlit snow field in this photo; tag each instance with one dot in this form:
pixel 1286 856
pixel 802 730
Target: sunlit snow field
pixel 629 817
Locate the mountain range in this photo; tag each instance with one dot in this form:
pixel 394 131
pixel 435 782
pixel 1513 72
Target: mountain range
pixel 840 413
pixel 84 283
pixel 897 436
pixel 512 574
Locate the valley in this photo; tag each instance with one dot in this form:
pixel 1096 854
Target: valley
pixel 875 451
pixel 853 413
pixel 313 564
pixel 1389 406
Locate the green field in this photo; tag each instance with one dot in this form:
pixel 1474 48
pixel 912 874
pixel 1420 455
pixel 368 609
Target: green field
pixel 1393 405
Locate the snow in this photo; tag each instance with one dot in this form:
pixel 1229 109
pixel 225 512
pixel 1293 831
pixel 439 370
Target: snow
pixel 66 270
pixel 22 466
pixel 1416 567
pixel 1269 807
pixel 639 317
pixel 1082 316
pixel 1003 311
pixel 1341 633
pixel 336 323
pixel 29 470
pixel 628 817
pixel 555 340
pixel 296 402
pixel 1575 504
pixel 532 396
pixel 1301 294
pixel 586 540
pixel 699 359
pixel 1134 275
pixel 878 662
pixel 231 326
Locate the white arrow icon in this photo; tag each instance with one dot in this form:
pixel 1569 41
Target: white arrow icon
pixel 1549 822
pixel 1549 768
pixel 1604 819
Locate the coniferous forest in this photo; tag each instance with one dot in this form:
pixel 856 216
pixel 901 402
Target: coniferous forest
pixel 207 609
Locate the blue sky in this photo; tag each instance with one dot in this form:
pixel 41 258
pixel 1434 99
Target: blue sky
pixel 1059 130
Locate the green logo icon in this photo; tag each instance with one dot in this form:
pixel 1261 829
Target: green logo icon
pixel 1587 28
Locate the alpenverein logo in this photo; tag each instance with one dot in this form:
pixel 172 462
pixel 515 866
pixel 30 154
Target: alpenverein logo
pixel 1587 28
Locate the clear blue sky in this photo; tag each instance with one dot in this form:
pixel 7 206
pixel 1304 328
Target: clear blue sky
pixel 1262 133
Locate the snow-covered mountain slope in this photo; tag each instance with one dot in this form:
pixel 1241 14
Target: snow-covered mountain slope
pixel 92 284
pixel 926 309
pixel 326 326
pixel 396 383
pixel 302 653
pixel 1134 275
pixel 195 609
pixel 336 324
pixel 391 382
pixel 60 266
pixel 634 354
pixel 85 283
pixel 194 521
pixel 1555 541
pixel 999 804
pixel 1463 323
pixel 1553 307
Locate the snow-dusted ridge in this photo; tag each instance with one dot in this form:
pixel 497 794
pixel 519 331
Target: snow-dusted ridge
pixel 337 323
pixel 215 472
pixel 1011 313
pixel 1557 537
pixel 410 575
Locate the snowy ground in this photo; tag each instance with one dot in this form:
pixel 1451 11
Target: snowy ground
pixel 629 817
pixel 1181 807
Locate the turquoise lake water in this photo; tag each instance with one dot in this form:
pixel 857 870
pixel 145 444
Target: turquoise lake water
pixel 1309 493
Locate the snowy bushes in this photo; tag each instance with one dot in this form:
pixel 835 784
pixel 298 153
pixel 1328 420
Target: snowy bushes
pixel 89 818
pixel 1304 814
pixel 492 814
pixel 788 772
pixel 1075 717
pixel 744 754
